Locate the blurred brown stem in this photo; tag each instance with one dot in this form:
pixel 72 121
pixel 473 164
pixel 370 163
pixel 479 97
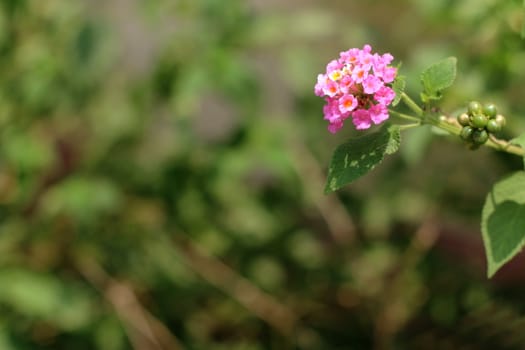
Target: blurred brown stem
pixel 334 213
pixel 145 332
pixel 390 319
pixel 217 273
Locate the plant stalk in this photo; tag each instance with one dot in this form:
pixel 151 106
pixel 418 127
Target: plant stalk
pixel 411 104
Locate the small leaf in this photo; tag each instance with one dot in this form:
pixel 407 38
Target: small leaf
pixel 424 97
pixel 520 141
pixel 503 221
pixel 438 76
pixel 358 156
pixel 399 88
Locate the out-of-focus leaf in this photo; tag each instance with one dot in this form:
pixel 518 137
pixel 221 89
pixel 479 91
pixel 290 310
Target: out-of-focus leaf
pixel 523 24
pixel 27 153
pixel 110 335
pixel 45 297
pixel 84 199
pixel 169 262
pixel 267 272
pixel 5 341
pixel 306 250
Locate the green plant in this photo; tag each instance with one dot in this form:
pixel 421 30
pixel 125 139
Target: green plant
pixel 503 215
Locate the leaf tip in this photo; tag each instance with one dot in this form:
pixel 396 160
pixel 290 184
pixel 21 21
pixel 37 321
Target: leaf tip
pixel 491 271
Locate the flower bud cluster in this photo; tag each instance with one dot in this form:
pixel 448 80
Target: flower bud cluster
pixel 479 122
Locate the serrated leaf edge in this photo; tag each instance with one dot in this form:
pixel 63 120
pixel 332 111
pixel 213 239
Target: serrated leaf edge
pixel 430 93
pixel 388 148
pixel 492 266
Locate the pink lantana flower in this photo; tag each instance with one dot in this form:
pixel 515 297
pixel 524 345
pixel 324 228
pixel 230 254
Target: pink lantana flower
pixel 357 85
pixel 331 88
pixel 372 84
pixel 378 113
pixel 385 95
pixel 347 103
pixel 361 119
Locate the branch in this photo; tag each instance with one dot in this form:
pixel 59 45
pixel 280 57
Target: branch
pixel 144 330
pixel 392 317
pixel 334 213
pixel 223 277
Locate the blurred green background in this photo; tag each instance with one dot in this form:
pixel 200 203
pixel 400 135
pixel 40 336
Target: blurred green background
pixel 162 166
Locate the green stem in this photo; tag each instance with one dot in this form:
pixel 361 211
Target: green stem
pixel 405 116
pixel 411 104
pixel 444 123
pixel 505 146
pixel 409 126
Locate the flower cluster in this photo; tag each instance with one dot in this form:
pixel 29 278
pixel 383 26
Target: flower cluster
pixel 357 85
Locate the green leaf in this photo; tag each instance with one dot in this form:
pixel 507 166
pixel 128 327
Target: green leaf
pixel 520 141
pixel 503 221
pixel 358 156
pixel 45 297
pixel 437 77
pixel 82 198
pixel 26 153
pixel 399 88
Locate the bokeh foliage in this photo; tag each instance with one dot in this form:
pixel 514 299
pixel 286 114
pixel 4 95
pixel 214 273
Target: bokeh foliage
pixel 162 167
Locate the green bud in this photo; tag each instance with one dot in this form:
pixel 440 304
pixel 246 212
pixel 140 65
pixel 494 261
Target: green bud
pixel 490 110
pixel 493 126
pixel 474 108
pixel 501 120
pixel 479 137
pixel 466 133
pixel 463 119
pixel 478 121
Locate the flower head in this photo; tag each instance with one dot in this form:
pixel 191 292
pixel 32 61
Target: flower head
pixel 357 85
